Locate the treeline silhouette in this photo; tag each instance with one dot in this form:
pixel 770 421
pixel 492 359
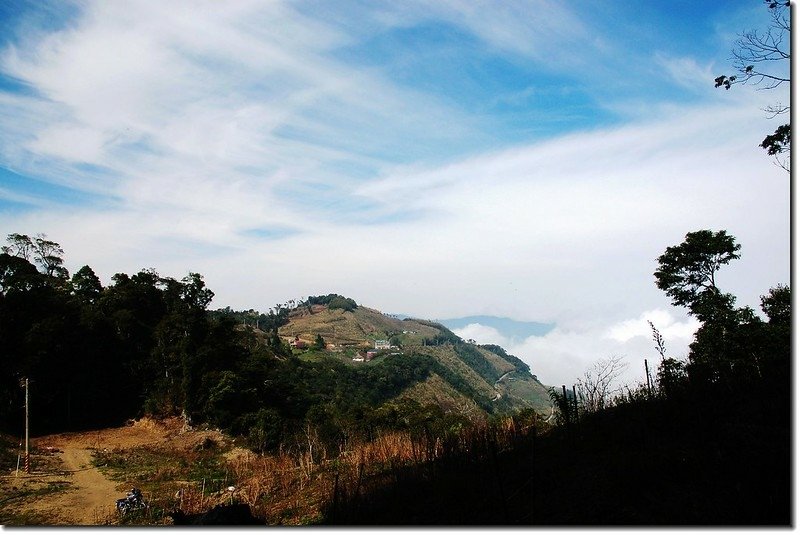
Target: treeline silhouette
pixel 98 355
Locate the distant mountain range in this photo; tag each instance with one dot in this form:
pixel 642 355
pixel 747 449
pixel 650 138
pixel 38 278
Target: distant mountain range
pixel 511 329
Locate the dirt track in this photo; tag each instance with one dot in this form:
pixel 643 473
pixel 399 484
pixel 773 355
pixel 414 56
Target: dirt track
pixel 90 499
pixel 90 496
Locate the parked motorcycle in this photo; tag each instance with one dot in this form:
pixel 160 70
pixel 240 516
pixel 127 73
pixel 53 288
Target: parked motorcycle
pixel 131 502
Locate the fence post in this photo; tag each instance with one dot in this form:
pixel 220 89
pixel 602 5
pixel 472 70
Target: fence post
pixel 335 498
pixel 575 402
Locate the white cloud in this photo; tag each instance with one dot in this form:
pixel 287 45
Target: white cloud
pixel 241 91
pixel 587 214
pixel 565 353
pixel 537 233
pixel 686 72
pixel 482 334
pixel 663 321
pixel 546 30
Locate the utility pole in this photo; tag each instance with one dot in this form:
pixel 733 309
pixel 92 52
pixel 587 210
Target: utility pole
pixel 27 430
pixel 647 372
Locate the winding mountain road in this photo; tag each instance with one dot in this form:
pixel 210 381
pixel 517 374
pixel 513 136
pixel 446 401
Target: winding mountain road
pixel 498 395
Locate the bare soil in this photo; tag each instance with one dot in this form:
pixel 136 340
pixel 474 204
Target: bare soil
pixel 64 488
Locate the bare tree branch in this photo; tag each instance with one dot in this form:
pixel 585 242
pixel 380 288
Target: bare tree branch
pixel 755 59
pixel 595 389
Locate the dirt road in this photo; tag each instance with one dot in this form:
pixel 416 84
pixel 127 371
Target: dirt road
pixel 498 395
pixel 90 497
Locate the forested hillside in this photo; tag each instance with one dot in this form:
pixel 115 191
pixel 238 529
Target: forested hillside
pixel 147 345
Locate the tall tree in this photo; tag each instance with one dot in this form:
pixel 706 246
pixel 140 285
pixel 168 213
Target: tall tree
pixel 86 284
pixel 47 254
pixel 19 245
pixel 733 346
pixel 687 272
pixel 50 257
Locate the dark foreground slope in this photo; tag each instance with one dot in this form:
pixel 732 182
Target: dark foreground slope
pixel 711 460
pixel 677 462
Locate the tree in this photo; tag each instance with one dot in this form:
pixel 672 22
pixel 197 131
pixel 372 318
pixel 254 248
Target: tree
pixel 319 343
pixel 50 257
pixel 777 305
pixel 47 254
pixel 595 388
pixel 763 59
pixel 86 285
pixel 195 293
pixel 733 346
pixel 17 273
pixel 671 376
pixel 19 245
pixel 687 272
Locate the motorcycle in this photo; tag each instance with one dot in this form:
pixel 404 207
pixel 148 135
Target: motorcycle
pixel 131 502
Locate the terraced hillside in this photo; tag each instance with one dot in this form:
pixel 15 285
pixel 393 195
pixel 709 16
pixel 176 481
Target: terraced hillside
pixel 357 328
pixel 471 377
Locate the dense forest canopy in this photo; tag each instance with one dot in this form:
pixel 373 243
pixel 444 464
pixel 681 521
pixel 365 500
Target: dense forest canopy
pixel 333 301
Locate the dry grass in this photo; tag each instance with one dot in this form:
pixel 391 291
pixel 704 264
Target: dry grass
pixel 193 472
pixel 291 489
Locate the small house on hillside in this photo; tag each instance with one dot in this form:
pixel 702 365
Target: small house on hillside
pixel 297 343
pixel 382 344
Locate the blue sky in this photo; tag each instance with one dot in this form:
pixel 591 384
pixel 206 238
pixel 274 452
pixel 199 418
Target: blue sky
pixel 443 159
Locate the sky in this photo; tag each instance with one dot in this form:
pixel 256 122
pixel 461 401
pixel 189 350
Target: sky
pixel 441 159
